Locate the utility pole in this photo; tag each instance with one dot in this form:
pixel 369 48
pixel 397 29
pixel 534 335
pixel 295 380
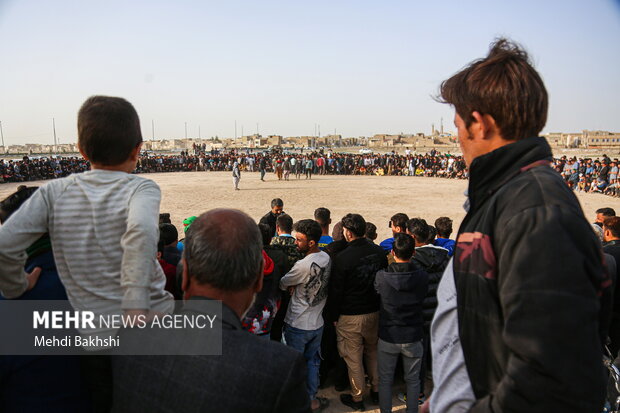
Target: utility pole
pixel 256 128
pixel 54 127
pixel 319 131
pixel 185 130
pixel 2 135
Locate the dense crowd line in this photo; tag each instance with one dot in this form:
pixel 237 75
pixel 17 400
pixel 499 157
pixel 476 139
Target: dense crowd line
pixel 581 174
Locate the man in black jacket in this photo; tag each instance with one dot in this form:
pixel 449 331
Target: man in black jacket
pixel 354 303
pixel 433 260
pixel 523 332
pixel 402 287
pixel 611 234
pixel 222 261
pixel 277 208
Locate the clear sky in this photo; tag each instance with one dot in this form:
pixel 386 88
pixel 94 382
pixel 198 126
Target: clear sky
pixel 357 67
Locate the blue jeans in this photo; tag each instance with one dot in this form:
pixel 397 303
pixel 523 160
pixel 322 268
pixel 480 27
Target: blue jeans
pixel 307 342
pixel 388 354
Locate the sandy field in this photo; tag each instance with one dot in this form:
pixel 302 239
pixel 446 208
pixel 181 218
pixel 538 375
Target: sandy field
pixel 376 198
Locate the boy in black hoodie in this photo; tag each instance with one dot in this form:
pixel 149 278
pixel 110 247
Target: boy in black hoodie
pixel 402 287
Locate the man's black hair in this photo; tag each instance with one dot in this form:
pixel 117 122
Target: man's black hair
pixel 164 218
pixel 400 220
pixel 108 130
pixel 355 223
pixel 285 222
pixel 607 212
pixel 168 233
pixel 613 225
pixel 322 216
pixel 419 229
pixel 310 228
pixel 277 202
pixel 404 246
pixel 371 231
pixel 432 234
pixel 444 227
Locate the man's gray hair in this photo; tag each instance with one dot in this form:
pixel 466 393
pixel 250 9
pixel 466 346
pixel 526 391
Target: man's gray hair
pixel 223 249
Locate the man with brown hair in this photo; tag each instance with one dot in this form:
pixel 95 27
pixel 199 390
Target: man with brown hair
pixel 527 270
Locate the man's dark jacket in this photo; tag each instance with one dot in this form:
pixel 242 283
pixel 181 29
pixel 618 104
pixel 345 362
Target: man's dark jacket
pixel 402 287
pixel 434 261
pixel 613 248
pixel 269 219
pixel 352 290
pixel 251 375
pixel 528 273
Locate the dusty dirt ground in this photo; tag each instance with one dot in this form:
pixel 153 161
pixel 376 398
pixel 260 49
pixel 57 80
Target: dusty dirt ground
pixel 376 198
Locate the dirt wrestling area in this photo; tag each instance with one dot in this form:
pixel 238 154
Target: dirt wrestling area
pixel 376 198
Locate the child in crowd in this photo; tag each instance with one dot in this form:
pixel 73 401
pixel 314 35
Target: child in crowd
pixel 103 227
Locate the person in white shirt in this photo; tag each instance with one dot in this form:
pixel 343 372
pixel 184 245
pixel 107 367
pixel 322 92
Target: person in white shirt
pixel 307 282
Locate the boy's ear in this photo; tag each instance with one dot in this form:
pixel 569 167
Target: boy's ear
pixel 82 152
pixel 135 153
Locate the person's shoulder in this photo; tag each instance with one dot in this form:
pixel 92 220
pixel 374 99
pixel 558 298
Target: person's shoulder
pixel 377 248
pixel 537 187
pixel 141 181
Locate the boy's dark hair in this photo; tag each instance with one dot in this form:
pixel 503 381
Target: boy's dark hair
pixel 168 233
pixel 354 223
pixel 160 245
pixel 11 203
pixel 337 231
pixel 285 222
pixel 504 85
pixel 419 229
pixel 400 221
pixel 310 228
pixel 164 218
pixel 444 227
pixel 613 225
pixel 606 212
pixel 108 130
pixel 371 231
pixel 404 246
pixel 277 202
pixel 432 234
pixel 322 216
pixel 265 233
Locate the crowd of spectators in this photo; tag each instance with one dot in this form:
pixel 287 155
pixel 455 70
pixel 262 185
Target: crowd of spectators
pixel 590 175
pixel 581 174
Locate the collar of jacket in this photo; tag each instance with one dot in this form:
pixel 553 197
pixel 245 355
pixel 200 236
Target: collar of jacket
pixel 357 242
pixel 402 267
pixel 612 242
pixel 491 171
pixel 229 320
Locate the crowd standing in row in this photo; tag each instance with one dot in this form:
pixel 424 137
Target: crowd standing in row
pixel 581 174
pixel 521 309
